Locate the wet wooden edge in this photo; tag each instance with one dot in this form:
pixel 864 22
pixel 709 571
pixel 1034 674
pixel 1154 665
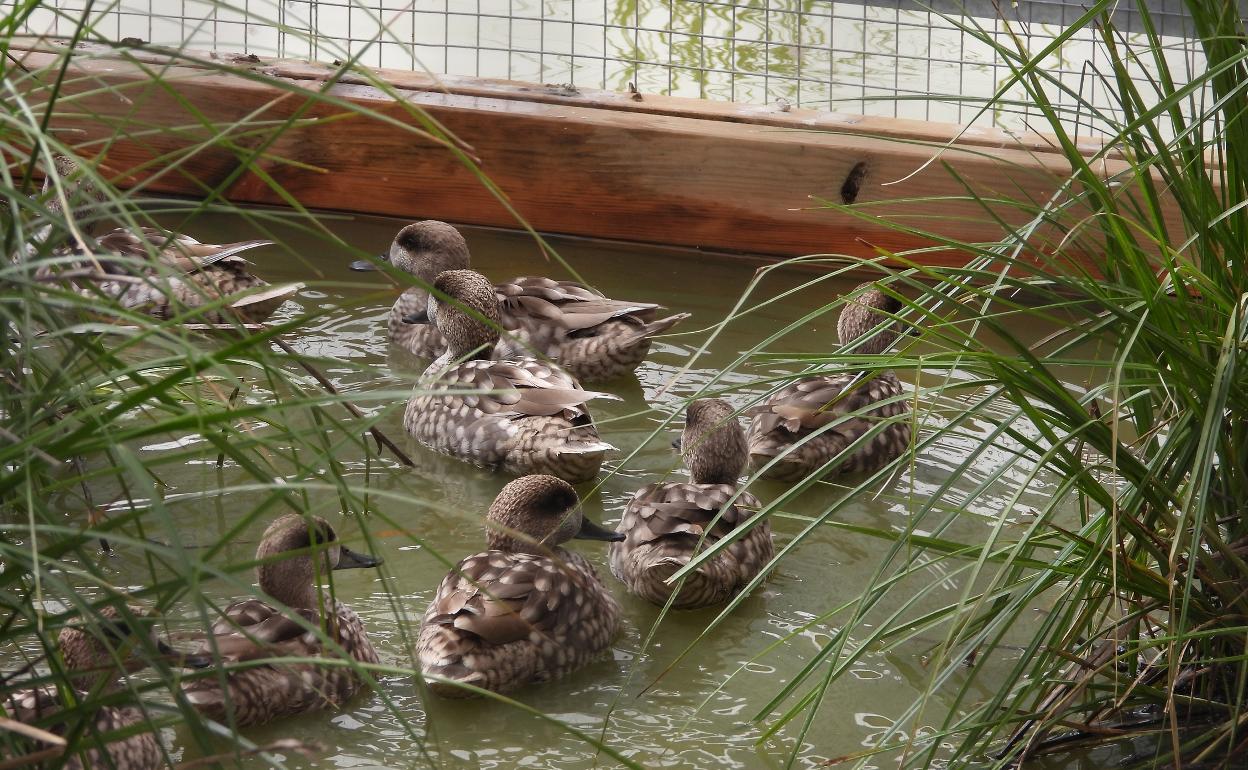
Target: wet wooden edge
pixel 662 170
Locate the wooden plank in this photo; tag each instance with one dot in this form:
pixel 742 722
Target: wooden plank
pixel 671 173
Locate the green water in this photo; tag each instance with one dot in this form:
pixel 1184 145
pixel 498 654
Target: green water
pixel 698 713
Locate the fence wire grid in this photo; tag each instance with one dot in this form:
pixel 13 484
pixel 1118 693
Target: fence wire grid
pixel 891 58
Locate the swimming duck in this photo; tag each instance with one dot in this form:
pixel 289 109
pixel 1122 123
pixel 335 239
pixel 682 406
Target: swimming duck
pixel 90 652
pixel 164 274
pixel 521 415
pixel 801 408
pixel 592 337
pixel 252 628
pixel 526 610
pixel 667 523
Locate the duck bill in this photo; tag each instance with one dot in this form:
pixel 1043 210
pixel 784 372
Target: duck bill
pixel 368 265
pixel 348 559
pixel 591 530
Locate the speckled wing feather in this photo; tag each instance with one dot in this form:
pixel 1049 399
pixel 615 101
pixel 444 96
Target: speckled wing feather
pixel 500 620
pixel 190 274
pixel 39 707
pixel 803 407
pixel 663 525
pixel 593 337
pixel 530 417
pixel 253 630
pixel 175 250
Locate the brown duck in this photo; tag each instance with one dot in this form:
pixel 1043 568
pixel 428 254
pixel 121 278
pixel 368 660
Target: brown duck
pixel 519 415
pixel 526 610
pixel 784 424
pixel 251 629
pixel 592 337
pixel 159 273
pixel 89 652
pixel 666 524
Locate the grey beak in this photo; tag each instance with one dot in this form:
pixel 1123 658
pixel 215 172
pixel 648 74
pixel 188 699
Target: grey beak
pixel 676 443
pixel 420 318
pixel 591 530
pixel 367 266
pixel 348 559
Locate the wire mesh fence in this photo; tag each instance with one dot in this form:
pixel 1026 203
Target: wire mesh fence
pixel 887 57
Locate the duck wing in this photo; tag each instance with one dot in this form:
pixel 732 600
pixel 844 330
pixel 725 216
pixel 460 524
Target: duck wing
pixel 666 524
pixel 567 305
pixel 807 405
pixel 252 629
pixel 175 250
pixel 519 388
pixel 497 597
pixel 683 510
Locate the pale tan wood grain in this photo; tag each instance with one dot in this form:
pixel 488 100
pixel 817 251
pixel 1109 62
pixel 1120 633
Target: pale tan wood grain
pixel 662 170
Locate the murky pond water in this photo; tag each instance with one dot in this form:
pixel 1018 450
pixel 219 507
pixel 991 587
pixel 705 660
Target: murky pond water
pixel 698 712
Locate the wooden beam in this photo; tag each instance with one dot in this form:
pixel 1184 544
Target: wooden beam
pixel 660 170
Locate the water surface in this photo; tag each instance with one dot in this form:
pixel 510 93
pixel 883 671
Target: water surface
pixel 698 712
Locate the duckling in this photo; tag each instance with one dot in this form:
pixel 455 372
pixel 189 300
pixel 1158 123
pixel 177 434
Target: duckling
pixel 666 524
pixel 801 408
pixel 520 415
pixel 526 610
pixel 590 336
pixel 90 653
pixel 164 274
pixel 252 629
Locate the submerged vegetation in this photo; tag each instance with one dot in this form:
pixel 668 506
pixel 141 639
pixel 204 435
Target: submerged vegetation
pixel 1113 608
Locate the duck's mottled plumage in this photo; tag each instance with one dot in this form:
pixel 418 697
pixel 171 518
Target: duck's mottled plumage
pixel 86 652
pixel 252 629
pixel 784 423
pixel 526 610
pixel 530 417
pixel 667 523
pixel 188 274
pixel 591 336
pixel 164 274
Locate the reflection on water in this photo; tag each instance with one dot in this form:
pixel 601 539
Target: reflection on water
pixel 697 714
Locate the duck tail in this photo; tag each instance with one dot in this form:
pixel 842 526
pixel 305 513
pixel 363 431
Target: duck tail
pixel 586 447
pixel 645 331
pixel 450 677
pixel 697 590
pixel 258 305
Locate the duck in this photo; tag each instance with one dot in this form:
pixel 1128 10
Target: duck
pixel 526 610
pixel 520 415
pixel 162 274
pixel 782 426
pixel 591 337
pixel 90 652
pixel 253 628
pixel 667 523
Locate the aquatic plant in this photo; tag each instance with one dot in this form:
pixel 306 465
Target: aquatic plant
pixel 1108 604
pixel 101 404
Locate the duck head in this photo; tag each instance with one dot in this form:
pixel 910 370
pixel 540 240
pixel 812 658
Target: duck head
pixel 468 318
pixel 713 442
pixel 535 514
pixel 424 249
pixel 287 571
pixel 869 307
